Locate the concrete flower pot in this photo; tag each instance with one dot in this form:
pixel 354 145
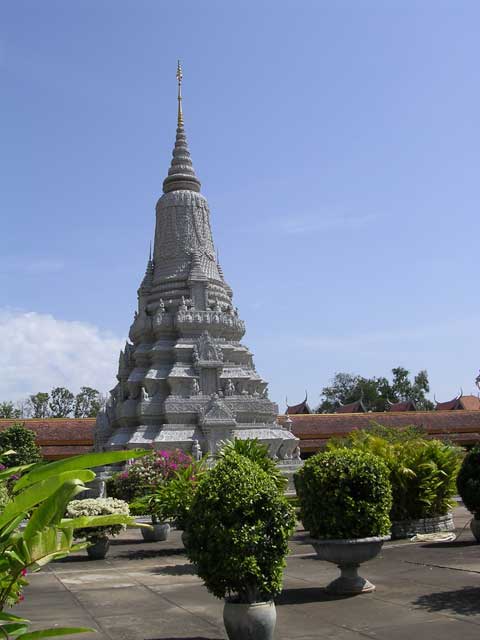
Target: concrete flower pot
pixel 475 527
pixel 98 550
pixel 249 621
pixel 157 533
pixel 348 555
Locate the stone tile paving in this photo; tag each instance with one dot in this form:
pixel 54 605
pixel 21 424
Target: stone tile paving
pixel 148 591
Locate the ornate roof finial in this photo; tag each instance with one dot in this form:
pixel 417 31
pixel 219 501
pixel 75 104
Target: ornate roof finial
pixel 179 78
pixel 181 175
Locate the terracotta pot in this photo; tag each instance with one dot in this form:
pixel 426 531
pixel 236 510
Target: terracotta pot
pixel 98 550
pixel 249 621
pixel 157 533
pixel 348 555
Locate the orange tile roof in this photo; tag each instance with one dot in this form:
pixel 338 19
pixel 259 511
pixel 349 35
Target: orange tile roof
pixel 59 437
pixel 316 429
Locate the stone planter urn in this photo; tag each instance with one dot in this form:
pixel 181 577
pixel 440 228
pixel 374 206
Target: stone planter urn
pixel 98 550
pixel 249 621
pixel 475 527
pixel 348 555
pixel 157 533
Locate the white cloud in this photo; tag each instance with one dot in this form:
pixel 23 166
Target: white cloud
pixel 39 352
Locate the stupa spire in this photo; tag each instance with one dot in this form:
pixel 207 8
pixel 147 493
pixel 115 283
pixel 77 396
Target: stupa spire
pixel 181 175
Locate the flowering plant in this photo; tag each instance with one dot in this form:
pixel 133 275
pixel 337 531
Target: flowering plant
pixel 145 475
pixel 97 507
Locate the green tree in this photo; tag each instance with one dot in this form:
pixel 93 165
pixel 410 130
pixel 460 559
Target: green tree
pixel 39 405
pixel 87 403
pixel 22 441
pixel 376 393
pixel 61 402
pixel 8 410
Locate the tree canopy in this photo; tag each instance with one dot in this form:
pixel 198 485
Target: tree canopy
pixel 60 402
pixel 376 393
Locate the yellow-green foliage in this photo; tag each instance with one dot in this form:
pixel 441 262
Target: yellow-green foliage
pixel 422 472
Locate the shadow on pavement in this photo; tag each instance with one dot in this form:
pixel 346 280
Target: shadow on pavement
pixel 175 570
pixel 305 595
pixel 145 554
pixel 465 601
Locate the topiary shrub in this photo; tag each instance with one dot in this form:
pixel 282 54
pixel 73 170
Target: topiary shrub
pixel 344 494
pixel 468 481
pixel 238 530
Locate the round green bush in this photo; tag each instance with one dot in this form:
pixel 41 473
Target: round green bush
pixel 344 494
pixel 237 531
pixel 468 481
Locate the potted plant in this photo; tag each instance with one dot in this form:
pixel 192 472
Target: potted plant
pixel 173 499
pixel 97 536
pixel 468 485
pixel 237 536
pixel 159 530
pixel 141 483
pixel 345 499
pixel 422 476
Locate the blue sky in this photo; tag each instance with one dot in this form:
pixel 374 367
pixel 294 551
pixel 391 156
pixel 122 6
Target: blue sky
pixel 337 144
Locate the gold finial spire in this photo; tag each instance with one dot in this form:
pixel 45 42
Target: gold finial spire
pixel 179 78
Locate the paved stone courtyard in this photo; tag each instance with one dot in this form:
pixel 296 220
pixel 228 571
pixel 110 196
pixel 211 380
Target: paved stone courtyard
pixel 147 591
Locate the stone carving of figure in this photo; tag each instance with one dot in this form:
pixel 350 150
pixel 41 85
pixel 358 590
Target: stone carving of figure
pixel 265 393
pixel 229 388
pixel 143 394
pixel 183 306
pixel 195 354
pixel 195 387
pixel 288 424
pixel 196 450
pixel 296 454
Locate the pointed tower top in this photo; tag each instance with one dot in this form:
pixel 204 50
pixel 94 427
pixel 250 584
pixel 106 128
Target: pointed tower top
pixel 179 78
pixel 181 174
pixel 147 281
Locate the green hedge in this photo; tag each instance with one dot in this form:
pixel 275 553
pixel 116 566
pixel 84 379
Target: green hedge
pixel 344 494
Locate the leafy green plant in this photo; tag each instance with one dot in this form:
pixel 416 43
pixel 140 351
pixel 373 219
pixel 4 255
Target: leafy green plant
pixel 422 471
pixel 344 494
pixel 254 450
pixel 173 498
pixel 21 443
pixel 41 496
pixel 468 481
pixel 97 507
pixel 238 530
